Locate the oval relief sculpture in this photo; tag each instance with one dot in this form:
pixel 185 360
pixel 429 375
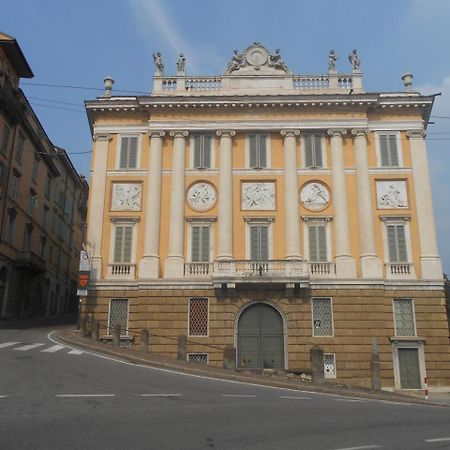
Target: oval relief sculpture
pixel 315 196
pixel 201 196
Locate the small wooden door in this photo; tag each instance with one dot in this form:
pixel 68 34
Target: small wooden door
pixel 408 360
pixel 260 338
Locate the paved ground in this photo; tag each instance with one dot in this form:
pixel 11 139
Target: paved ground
pixel 54 398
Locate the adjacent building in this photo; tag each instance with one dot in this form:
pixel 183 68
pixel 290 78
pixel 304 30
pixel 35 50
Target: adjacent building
pixel 263 213
pixel 42 205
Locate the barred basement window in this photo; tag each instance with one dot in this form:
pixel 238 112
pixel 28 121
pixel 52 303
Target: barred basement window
pixel 322 316
pixel 198 317
pixel 329 365
pixel 404 317
pixel 201 358
pixel 118 315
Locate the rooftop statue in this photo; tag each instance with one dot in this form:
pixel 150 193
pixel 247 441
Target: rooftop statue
pixel 276 62
pixel 159 66
pixel 354 61
pixel 181 62
pixel 237 61
pixel 332 58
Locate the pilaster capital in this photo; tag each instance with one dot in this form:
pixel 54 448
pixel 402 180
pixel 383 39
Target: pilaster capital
pixel 226 133
pixel 290 133
pixel 416 134
pixel 179 133
pixel 337 132
pixel 102 137
pixel 156 133
pixel 358 132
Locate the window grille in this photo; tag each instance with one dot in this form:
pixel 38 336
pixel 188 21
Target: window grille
pixel 128 152
pixel 118 315
pixel 329 365
pixel 404 317
pixel 201 358
pixel 258 151
pixel 198 317
pixel 202 152
pixel 313 151
pixel 322 317
pixel 389 150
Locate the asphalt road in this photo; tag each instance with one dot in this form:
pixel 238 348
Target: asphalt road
pixel 54 397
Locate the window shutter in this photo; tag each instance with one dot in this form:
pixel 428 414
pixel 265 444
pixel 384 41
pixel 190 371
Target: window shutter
pixel 318 151
pixel 206 152
pixel 262 152
pixel 124 144
pixel 312 237
pixel 264 243
pixel 195 244
pixel 118 242
pixel 384 152
pixel 132 152
pixel 401 241
pixel 308 151
pixel 197 152
pixel 393 150
pixel 127 242
pixel 205 244
pixel 254 241
pixel 322 243
pixel 253 151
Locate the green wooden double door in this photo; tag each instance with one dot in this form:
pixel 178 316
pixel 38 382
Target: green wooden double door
pixel 408 361
pixel 260 338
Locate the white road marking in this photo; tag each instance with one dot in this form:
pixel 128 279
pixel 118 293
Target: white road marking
pixel 24 348
pixel 354 400
pixel 3 396
pixel 293 397
pixel 85 395
pixel 8 344
pixel 75 352
pixel 160 395
pixel 360 448
pixel 390 402
pixel 438 440
pixel 53 349
pixel 238 395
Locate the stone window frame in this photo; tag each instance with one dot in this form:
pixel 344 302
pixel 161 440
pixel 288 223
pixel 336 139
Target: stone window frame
pixel 119 148
pixel 259 221
pixel 121 221
pixel 198 354
pixel 413 316
pixel 268 136
pixel 397 220
pixel 109 330
pixel 200 221
pixel 205 299
pixel 379 133
pixel 212 149
pixel 322 220
pixel 323 143
pixel 330 374
pixel 332 318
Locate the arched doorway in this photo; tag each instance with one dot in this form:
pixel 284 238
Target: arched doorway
pixel 260 338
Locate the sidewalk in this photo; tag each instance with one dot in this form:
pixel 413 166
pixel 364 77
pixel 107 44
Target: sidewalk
pixel 70 337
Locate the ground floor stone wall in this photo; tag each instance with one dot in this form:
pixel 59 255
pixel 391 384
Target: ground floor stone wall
pixel 359 315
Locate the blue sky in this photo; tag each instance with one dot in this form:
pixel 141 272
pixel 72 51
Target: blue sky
pixel 79 43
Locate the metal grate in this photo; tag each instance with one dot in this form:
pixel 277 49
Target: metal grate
pixel 201 358
pixel 329 365
pixel 198 317
pixel 118 314
pixel 322 317
pixel 404 317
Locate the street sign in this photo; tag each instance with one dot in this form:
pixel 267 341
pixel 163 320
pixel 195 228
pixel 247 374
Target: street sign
pixel 85 261
pixel 82 292
pixel 83 279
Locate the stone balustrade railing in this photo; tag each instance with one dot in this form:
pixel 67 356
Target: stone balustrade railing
pixel 122 271
pixel 272 268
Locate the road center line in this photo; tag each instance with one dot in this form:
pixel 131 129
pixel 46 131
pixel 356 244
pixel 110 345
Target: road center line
pixel 360 448
pixel 352 400
pixel 85 395
pixel 438 440
pixel 160 395
pixel 8 344
pixel 293 397
pixel 238 395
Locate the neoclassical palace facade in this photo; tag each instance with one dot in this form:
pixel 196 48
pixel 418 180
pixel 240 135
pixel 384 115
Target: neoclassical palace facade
pixel 264 213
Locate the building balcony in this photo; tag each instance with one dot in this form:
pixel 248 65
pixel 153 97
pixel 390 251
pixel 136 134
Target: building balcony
pixel 198 269
pixel 28 260
pixel 399 271
pixel 322 269
pixel 122 271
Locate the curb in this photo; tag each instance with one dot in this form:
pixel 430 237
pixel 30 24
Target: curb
pixel 264 380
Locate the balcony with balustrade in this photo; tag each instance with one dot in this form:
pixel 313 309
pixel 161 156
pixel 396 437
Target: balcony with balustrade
pixel 121 271
pixel 400 271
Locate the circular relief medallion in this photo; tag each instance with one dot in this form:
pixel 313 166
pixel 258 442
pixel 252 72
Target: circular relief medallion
pixel 257 56
pixel 314 196
pixel 201 196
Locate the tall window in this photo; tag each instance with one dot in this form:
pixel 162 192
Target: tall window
pixel 118 315
pixel 19 149
pixel 404 317
pixel 259 242
pixel 257 151
pixel 317 241
pixel 48 187
pixel 35 168
pixel 313 150
pixel 15 186
pixel 123 241
pixel 396 236
pixel 128 152
pixel 322 317
pixel 202 152
pixel 389 151
pixel 32 202
pixel 10 225
pixel 45 217
pixel 5 139
pixel 42 246
pixel 200 239
pixel 198 317
pixel 27 236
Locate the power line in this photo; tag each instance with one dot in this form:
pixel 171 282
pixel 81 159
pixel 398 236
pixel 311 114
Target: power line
pixel 54 101
pixel 87 88
pixel 57 107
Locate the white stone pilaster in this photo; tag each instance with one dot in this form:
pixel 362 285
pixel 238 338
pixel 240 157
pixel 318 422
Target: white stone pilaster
pixel 370 262
pixel 291 201
pixel 149 264
pixel 174 267
pixel 97 203
pixel 429 257
pixel 345 263
pixel 225 247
